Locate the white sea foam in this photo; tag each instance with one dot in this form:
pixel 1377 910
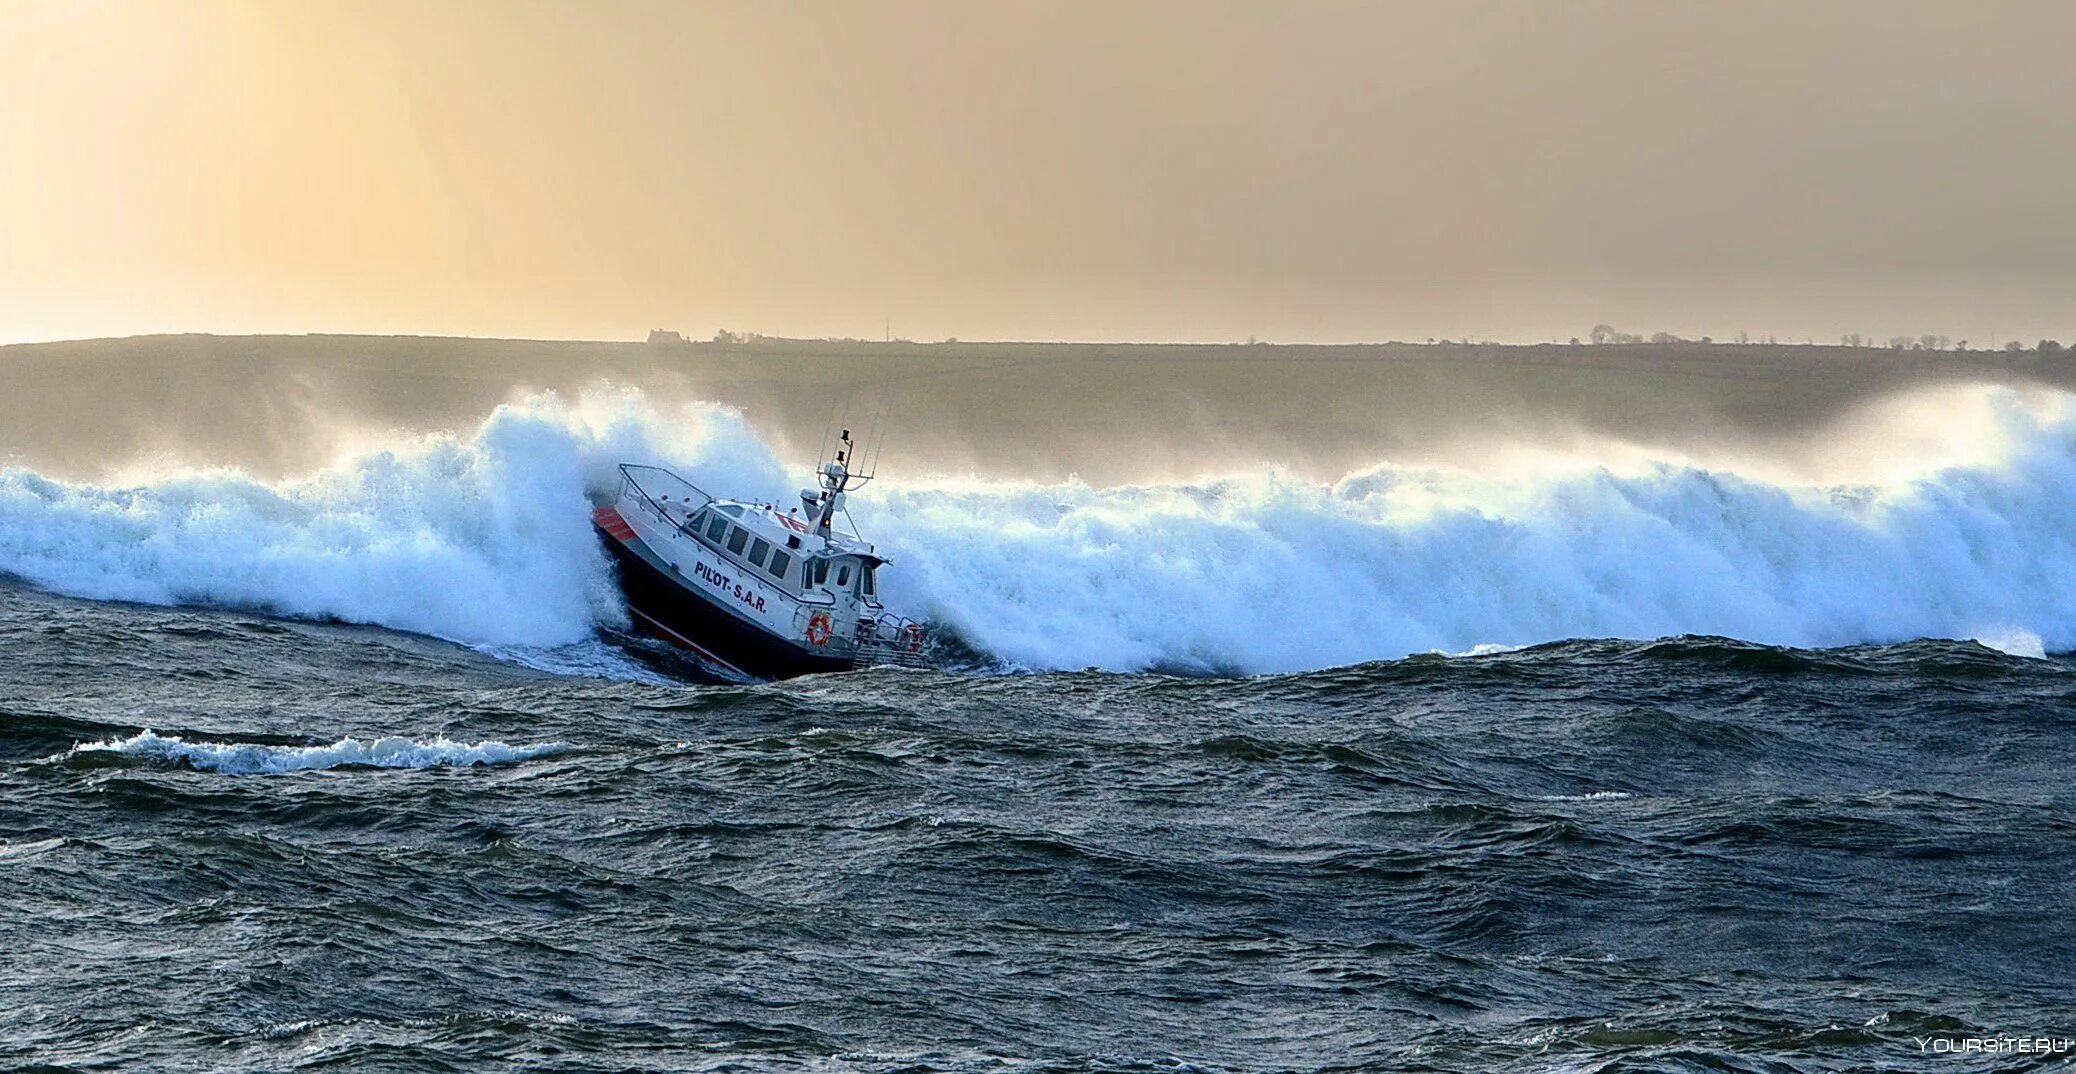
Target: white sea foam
pixel 246 758
pixel 485 538
pixel 1263 573
pixel 2014 643
pixel 1481 649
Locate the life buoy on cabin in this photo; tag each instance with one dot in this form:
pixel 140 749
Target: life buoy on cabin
pixel 912 637
pixel 818 628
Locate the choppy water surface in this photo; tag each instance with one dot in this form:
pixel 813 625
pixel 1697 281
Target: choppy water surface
pixel 229 842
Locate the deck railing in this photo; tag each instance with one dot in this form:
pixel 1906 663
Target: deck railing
pixel 884 639
pixel 892 639
pixel 660 490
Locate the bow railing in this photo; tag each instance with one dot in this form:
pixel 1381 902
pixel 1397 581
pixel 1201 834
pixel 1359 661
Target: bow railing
pixel 660 491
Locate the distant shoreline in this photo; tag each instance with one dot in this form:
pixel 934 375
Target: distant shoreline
pixel 1108 413
pixel 2000 357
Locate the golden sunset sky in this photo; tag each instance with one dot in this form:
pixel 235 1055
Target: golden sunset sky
pixel 1137 170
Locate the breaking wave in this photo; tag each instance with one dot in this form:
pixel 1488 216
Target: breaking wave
pixel 244 758
pixel 484 538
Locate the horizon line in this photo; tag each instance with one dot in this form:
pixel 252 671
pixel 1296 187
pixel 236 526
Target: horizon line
pixel 741 339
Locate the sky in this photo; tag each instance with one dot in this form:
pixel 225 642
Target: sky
pixel 1149 170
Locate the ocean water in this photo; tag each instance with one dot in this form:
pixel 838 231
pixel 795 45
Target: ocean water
pixel 1658 766
pixel 236 843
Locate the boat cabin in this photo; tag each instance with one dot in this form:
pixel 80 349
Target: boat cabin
pixel 758 538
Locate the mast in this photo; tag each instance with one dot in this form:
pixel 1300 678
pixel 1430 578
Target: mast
pixel 833 477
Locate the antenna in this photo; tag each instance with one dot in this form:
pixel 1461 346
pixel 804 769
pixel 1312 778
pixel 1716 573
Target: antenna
pixel 822 445
pixel 834 476
pixel 875 442
pixel 842 466
pixel 879 437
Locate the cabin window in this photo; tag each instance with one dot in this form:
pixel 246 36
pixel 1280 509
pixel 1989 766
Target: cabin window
pixel 865 582
pixel 759 548
pixel 779 562
pixel 843 576
pixel 716 529
pixel 736 539
pixel 820 572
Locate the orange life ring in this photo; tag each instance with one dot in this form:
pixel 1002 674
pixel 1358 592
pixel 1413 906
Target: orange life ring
pixel 818 628
pixel 912 634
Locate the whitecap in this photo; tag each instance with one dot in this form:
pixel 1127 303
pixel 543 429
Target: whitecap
pixel 2013 642
pixel 249 758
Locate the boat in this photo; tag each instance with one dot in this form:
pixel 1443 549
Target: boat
pixel 752 592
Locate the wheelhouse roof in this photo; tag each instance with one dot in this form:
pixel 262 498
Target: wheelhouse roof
pixel 770 523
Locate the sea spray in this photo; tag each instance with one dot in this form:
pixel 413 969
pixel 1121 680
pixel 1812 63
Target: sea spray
pixel 1262 572
pixel 248 758
pixel 484 538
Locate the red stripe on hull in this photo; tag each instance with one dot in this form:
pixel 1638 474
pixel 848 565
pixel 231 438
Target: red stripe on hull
pixel 609 520
pixel 656 627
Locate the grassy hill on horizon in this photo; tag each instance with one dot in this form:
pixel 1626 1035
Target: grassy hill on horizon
pixel 1108 412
